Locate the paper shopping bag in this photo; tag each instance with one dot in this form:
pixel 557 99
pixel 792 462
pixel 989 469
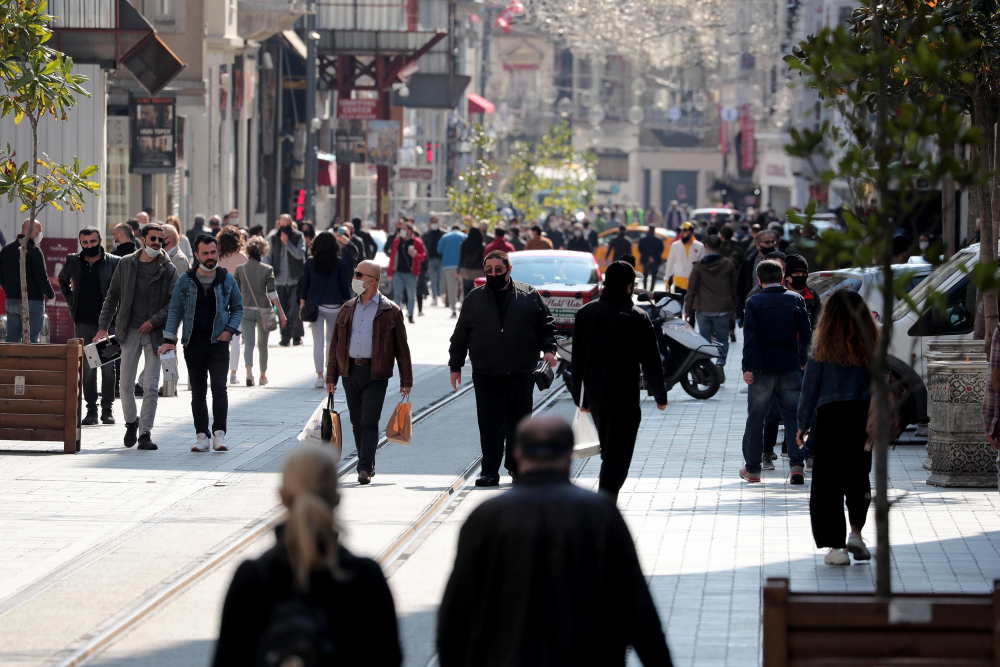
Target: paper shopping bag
pixel 400 427
pixel 330 430
pixel 312 432
pixel 586 442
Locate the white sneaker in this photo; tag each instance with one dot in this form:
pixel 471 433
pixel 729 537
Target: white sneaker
pixel 319 383
pixel 857 547
pixel 837 557
pixel 232 379
pixel 203 444
pixel 219 442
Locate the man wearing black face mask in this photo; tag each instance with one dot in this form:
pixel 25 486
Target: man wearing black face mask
pixel 84 282
pixel 503 327
pixel 796 274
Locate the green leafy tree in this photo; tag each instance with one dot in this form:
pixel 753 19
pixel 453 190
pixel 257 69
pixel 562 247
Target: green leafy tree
pixel 564 176
pixel 475 197
pixel 37 80
pixel 888 87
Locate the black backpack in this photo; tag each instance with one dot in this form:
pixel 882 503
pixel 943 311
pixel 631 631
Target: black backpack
pixel 297 635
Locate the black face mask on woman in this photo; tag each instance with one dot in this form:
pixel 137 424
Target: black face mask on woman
pixel 496 283
pixel 797 282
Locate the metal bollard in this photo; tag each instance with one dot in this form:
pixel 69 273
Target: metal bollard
pixel 170 388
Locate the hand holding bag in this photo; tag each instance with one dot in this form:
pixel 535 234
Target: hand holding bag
pixel 586 442
pixel 400 426
pixel 543 375
pixel 330 431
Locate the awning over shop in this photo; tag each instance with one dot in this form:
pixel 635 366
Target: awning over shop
pixel 478 104
pixel 326 169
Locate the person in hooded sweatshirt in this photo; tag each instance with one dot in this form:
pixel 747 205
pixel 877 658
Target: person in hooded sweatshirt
pixel 711 295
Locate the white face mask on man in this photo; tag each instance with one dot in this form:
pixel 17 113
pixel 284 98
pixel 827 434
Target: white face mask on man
pixel 151 252
pixel 358 286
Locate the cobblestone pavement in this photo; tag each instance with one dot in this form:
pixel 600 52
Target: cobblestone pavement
pixel 81 537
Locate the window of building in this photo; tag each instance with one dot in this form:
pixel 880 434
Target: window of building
pixel 164 10
pixel 231 12
pixel 612 167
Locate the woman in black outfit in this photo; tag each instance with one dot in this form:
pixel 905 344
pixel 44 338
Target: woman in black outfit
pixel 470 260
pixel 309 569
pixel 836 386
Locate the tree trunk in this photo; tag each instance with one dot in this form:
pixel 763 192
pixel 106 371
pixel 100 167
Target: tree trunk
pixel 985 117
pixel 25 312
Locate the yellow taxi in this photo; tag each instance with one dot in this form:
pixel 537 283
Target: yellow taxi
pixel 634 233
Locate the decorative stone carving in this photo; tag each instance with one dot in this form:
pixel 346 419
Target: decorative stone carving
pixel 959 453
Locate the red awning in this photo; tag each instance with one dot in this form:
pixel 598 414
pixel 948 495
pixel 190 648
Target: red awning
pixel 479 104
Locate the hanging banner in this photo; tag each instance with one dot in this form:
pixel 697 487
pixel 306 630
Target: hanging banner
pixel 153 149
pixel 749 141
pixel 350 141
pixel 383 142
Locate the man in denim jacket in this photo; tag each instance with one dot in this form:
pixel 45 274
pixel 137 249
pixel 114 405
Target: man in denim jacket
pixel 209 303
pixel 775 348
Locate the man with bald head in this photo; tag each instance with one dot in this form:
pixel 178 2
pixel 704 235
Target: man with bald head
pixel 39 287
pixel 514 596
pixel 368 339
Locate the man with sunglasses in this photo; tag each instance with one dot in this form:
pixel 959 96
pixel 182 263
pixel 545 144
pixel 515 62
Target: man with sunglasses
pixel 139 295
pixel 368 339
pixel 766 241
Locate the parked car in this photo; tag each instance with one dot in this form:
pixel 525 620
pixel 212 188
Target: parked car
pixel 566 280
pixel 713 215
pixel 634 233
pixel 820 222
pixel 867 282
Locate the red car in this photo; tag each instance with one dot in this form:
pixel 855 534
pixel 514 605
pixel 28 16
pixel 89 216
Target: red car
pixel 566 280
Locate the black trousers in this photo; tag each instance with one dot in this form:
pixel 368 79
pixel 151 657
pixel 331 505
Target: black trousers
pixel 617 428
pixel 365 397
pixel 108 382
pixel 841 467
pixel 502 401
pixel 208 362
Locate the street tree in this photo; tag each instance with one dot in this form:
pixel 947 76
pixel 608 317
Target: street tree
pixel 879 141
pixel 37 81
pixel 475 195
pixel 563 177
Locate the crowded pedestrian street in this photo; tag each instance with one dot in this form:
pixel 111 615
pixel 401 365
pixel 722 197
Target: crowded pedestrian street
pixel 123 557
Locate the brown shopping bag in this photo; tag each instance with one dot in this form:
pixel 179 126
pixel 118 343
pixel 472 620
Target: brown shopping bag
pixel 400 426
pixel 330 431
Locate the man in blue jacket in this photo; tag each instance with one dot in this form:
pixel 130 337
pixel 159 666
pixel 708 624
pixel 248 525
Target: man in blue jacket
pixel 450 248
pixel 209 303
pixel 776 335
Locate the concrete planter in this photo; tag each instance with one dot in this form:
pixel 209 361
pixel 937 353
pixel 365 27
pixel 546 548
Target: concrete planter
pixel 959 453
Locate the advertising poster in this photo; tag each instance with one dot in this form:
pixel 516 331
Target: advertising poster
pixel 153 147
pixel 350 141
pixel 60 321
pixel 383 142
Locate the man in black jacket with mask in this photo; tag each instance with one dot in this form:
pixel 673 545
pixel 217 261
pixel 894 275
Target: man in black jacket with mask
pixel 610 382
pixel 503 327
pixel 514 596
pixel 84 282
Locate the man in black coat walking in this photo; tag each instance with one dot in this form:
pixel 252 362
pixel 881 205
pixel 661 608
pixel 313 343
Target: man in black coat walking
pixel 515 595
pixel 504 326
pixel 609 383
pixel 620 245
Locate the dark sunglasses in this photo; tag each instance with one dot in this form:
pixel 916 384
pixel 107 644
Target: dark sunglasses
pixel 361 276
pixel 154 239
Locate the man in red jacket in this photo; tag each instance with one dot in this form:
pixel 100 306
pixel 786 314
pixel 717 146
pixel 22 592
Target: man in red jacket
pixel 499 242
pixel 404 266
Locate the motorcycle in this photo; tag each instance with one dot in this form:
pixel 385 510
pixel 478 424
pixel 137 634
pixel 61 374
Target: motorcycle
pixel 686 356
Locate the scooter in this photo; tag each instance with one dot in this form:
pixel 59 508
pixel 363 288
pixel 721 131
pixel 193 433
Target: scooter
pixel 686 357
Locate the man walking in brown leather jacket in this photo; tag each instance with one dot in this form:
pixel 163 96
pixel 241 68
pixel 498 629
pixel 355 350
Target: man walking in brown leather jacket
pixel 368 338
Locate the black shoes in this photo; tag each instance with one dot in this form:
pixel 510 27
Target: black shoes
pixel 146 442
pixel 411 321
pixel 284 343
pixel 488 480
pixel 296 341
pixel 138 391
pixel 130 433
pixel 364 478
pixel 513 475
pixel 107 416
pixel 91 418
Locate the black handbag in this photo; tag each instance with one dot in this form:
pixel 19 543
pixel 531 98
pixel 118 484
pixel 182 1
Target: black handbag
pixel 543 375
pixel 330 430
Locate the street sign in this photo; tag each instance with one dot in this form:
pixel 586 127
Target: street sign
pixel 414 174
pixel 357 109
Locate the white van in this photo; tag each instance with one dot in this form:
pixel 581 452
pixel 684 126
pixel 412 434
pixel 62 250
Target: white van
pixel 911 332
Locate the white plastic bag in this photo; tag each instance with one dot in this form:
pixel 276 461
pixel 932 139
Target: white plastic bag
pixel 585 440
pixel 168 366
pixel 312 432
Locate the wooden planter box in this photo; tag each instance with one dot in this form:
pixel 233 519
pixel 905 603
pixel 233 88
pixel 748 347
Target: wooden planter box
pixel 857 629
pixel 41 393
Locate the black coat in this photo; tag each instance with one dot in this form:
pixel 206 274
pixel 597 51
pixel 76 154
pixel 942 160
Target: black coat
pixel 430 239
pixel 547 574
pixel 610 374
pixel 72 272
pixel 359 607
pixel 619 247
pixel 508 348
pixel 579 244
pixel 38 284
pixel 371 248
pixel 746 281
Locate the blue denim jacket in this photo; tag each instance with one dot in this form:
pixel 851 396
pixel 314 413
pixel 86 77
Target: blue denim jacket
pixel 228 306
pixel 776 331
pixel 826 382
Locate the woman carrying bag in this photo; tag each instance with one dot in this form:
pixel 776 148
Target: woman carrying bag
pixel 256 282
pixel 323 288
pixel 836 385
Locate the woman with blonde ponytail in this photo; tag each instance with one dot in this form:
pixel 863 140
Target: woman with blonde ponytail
pixel 307 590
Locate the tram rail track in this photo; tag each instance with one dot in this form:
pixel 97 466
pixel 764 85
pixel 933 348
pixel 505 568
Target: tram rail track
pixel 106 633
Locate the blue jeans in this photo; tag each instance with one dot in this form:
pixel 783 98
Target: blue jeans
pixel 719 326
pixel 435 274
pixel 404 281
pixel 36 315
pixel 765 387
